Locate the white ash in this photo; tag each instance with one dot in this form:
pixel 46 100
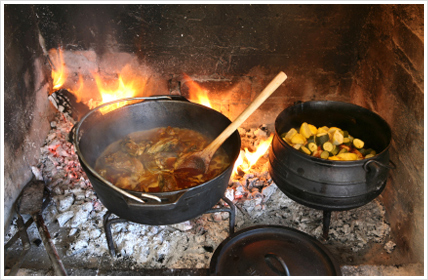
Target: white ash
pixel 77 210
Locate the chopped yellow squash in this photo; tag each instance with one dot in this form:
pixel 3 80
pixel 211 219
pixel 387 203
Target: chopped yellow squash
pixel 298 139
pixel 290 134
pixel 337 138
pixel 313 129
pixel 305 130
pixel 305 150
pixel 347 156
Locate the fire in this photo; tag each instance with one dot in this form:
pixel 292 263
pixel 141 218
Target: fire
pixel 252 158
pixel 126 85
pixel 79 91
pixel 97 88
pixel 248 159
pixel 197 93
pixel 58 74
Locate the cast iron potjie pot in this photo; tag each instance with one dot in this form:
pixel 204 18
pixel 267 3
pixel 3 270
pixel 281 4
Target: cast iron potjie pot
pixel 96 131
pixel 326 184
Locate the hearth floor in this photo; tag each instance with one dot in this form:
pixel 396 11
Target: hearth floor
pixel 371 260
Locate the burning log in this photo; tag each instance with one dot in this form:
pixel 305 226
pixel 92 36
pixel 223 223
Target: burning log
pixel 66 102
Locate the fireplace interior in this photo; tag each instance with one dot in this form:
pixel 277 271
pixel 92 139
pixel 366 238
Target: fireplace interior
pixel 371 55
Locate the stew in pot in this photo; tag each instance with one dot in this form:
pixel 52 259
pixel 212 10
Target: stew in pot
pixel 145 160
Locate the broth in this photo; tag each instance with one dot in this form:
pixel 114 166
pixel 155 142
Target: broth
pixel 145 160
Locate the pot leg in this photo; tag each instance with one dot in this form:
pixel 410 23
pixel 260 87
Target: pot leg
pixel 326 217
pixel 107 229
pixel 231 215
pixel 231 212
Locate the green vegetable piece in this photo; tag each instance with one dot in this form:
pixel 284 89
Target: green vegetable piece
pixel 321 138
pixel 311 139
pixel 343 151
pixel 335 150
pixel 347 141
pixel 363 151
pixel 312 146
pixel 328 146
pixel 370 151
pixel 325 155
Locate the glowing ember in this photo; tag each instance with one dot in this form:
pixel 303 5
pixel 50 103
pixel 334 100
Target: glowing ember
pixel 58 75
pixel 197 93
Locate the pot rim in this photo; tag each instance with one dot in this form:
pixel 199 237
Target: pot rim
pixel 129 193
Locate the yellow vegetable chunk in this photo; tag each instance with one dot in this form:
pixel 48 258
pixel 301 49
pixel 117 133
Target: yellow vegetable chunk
pixel 337 138
pixel 358 143
pixel 290 134
pixel 297 146
pixel 334 158
pixel 305 130
pixel 305 150
pixel 347 156
pixel 313 128
pixel 322 129
pixel 333 129
pixel 298 139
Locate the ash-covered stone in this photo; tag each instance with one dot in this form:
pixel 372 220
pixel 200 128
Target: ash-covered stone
pixel 64 202
pixel 64 217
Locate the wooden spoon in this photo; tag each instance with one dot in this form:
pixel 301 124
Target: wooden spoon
pixel 199 162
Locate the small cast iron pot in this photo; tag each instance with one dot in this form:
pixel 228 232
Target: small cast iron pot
pixel 272 250
pixel 327 184
pixel 96 131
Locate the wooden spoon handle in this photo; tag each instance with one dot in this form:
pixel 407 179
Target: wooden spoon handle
pixel 269 89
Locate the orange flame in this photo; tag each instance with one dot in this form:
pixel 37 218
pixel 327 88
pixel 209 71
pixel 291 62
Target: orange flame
pixel 79 91
pixel 248 159
pixel 197 93
pixel 127 85
pixel 239 161
pixel 59 75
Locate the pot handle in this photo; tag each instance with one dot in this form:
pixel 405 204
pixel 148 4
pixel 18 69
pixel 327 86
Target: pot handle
pixel 391 165
pixel 164 200
pixel 284 266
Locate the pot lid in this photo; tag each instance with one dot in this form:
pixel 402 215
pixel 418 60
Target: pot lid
pixel 271 251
